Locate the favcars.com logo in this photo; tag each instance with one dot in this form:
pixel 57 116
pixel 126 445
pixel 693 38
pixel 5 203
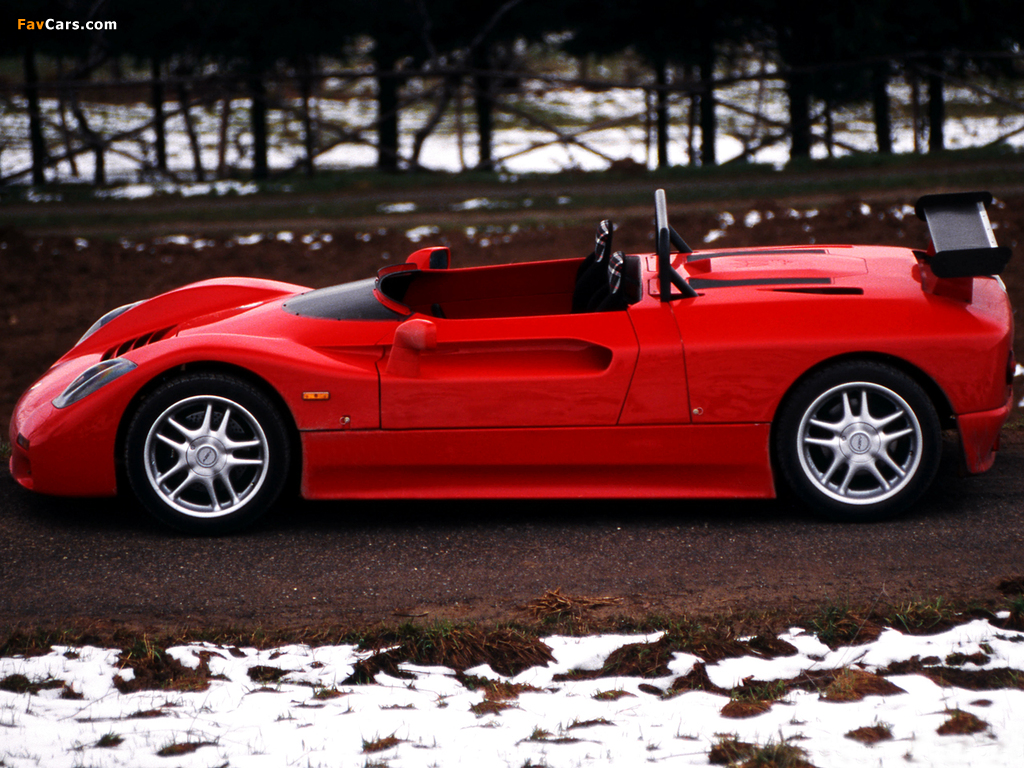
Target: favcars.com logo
pixel 55 25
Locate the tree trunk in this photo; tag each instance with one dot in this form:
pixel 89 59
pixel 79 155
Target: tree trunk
pixel 708 121
pixel 190 129
pixel 64 95
pixel 258 118
pixel 799 117
pixel 936 109
pixel 157 97
pixel 915 108
pixel 661 111
pixel 92 140
pixel 222 137
pixel 306 68
pixel 387 117
pixel 691 125
pixel 484 100
pixel 35 118
pixel 882 108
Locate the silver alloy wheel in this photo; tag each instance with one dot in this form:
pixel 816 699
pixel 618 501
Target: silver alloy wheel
pixel 860 443
pixel 206 456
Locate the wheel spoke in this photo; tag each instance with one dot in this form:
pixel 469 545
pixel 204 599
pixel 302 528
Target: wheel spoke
pixel 212 491
pixel 827 425
pixel 189 480
pixel 893 465
pixel 226 479
pixel 180 465
pixel 885 421
pixel 179 448
pixel 181 428
pixel 222 430
pixel 889 437
pixel 837 461
pixel 847 409
pixel 240 445
pixel 832 442
pixel 874 470
pixel 234 461
pixel 851 470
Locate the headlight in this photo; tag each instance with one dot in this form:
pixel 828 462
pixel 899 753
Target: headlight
pixel 114 313
pixel 92 378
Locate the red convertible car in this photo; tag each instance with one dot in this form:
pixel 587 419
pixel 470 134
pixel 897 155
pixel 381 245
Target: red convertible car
pixel 830 370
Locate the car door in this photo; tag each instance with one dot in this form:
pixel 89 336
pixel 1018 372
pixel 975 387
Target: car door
pixel 538 371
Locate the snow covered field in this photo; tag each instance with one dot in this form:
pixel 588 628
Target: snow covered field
pixel 290 707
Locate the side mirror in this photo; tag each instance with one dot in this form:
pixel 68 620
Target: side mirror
pixel 411 338
pixel 435 257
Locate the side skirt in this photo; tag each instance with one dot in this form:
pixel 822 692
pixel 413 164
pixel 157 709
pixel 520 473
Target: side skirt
pixel 690 461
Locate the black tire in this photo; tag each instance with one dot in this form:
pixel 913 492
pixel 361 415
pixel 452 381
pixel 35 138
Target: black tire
pixel 207 453
pixel 858 441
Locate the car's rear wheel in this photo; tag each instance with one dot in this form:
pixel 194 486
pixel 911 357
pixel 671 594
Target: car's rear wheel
pixel 858 441
pixel 207 453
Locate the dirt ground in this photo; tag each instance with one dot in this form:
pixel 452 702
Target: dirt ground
pixel 54 288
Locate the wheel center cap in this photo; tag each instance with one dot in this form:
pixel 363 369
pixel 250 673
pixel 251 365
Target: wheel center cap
pixel 860 441
pixel 206 456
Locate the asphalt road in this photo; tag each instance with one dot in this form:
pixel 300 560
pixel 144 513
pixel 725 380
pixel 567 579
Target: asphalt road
pixel 72 561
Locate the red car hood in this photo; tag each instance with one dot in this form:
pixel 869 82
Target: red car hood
pixel 191 305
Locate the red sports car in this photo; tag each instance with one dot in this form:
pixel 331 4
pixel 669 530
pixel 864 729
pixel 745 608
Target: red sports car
pixel 828 369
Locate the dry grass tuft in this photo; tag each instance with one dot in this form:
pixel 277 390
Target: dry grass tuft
pixel 265 674
pixel 554 603
pixel 154 670
pixel 732 752
pixel 871 734
pixel 18 683
pixel 380 744
pixel 740 709
pixel 489 707
pixel 961 723
pixel 507 651
pixel 854 684
pixel 184 748
pixel 612 695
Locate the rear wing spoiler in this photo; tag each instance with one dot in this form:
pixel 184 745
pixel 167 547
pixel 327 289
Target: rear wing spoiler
pixel 963 244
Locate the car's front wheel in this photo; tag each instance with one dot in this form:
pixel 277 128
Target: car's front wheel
pixel 207 453
pixel 858 441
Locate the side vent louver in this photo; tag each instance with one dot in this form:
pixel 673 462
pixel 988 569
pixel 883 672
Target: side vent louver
pixel 139 341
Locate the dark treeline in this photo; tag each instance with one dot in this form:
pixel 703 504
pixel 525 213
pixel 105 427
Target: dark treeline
pixel 829 56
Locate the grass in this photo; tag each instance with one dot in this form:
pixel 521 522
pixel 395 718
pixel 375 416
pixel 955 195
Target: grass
pixel 110 740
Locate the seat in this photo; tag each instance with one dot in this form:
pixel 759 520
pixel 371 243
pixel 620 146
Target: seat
pixel 623 283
